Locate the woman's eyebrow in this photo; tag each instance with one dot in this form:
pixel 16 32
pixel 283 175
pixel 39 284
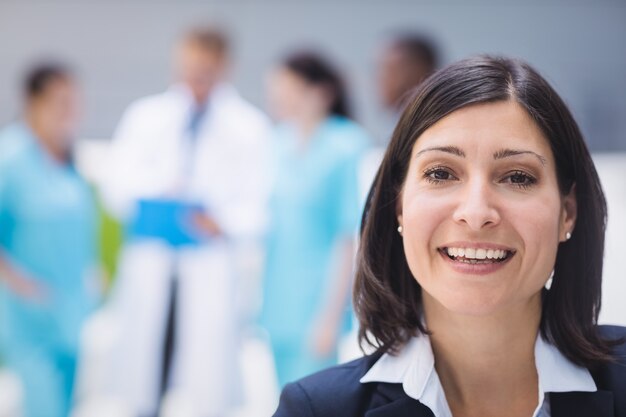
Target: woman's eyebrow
pixel 505 153
pixel 502 153
pixel 449 149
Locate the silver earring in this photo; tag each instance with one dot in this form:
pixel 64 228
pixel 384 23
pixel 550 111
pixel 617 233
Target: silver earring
pixel 400 229
pixel 568 236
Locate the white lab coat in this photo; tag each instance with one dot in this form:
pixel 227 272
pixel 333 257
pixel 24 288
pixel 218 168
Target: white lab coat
pixel 227 172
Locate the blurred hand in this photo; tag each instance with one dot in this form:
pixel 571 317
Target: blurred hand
pixel 206 224
pixel 323 339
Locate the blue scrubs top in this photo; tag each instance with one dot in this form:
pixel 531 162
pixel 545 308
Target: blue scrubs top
pixel 315 202
pixel 48 230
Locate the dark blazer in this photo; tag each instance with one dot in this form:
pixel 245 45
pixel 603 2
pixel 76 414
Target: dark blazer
pixel 337 392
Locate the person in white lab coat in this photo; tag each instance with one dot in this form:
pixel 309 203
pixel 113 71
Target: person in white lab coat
pixel 198 144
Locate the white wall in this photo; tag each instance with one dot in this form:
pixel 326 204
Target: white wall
pixel 612 171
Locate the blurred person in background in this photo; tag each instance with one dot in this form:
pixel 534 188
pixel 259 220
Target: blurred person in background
pixel 47 243
pixel 403 63
pixel 187 179
pixel 314 210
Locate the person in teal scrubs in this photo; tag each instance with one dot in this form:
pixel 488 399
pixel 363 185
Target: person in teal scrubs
pixel 47 244
pixel 315 212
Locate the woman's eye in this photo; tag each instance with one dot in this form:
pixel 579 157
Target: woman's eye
pixel 437 175
pixel 520 179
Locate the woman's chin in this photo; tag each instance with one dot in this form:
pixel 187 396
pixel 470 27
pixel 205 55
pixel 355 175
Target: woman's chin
pixel 482 303
pixel 471 303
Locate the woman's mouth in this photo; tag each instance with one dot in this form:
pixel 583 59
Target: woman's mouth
pixel 475 258
pixel 476 255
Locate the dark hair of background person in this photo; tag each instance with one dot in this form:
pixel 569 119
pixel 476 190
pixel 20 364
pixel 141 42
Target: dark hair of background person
pixel 405 61
pixel 418 49
pixel 40 76
pixel 316 70
pixel 387 297
pixel 209 38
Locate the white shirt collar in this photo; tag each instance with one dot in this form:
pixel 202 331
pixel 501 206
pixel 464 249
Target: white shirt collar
pixel 414 368
pixel 220 91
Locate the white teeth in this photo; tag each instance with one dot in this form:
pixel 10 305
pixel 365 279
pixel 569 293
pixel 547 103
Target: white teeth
pixel 473 253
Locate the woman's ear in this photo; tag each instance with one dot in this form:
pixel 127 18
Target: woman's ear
pixel 568 214
pixel 399 209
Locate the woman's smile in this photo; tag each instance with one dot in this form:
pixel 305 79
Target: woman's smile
pixel 478 258
pixel 475 261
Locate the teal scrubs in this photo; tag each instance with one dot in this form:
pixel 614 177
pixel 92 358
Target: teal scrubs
pixel 48 231
pixel 314 205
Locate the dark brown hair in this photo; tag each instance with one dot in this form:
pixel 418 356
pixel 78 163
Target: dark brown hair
pixel 386 296
pixel 40 76
pixel 313 68
pixel 418 48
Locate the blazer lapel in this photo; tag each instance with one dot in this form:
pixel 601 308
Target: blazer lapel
pixel 582 404
pixel 390 400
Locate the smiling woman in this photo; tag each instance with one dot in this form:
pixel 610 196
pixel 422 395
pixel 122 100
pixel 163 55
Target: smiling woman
pixel 486 192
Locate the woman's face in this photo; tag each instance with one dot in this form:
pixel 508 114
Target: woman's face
pixel 481 210
pixel 57 110
pixel 291 97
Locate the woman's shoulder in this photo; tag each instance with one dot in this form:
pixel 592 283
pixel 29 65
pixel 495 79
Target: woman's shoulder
pixel 16 146
pixel 310 395
pixel 613 332
pixel 617 335
pixel 346 134
pixel 611 376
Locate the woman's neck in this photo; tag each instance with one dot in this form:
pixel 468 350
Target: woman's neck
pixel 486 364
pixel 307 124
pixel 51 144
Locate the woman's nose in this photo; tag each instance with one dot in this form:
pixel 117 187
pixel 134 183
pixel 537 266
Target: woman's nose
pixel 477 206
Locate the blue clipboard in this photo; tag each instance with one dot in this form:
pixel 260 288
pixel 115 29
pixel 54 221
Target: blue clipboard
pixel 168 220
